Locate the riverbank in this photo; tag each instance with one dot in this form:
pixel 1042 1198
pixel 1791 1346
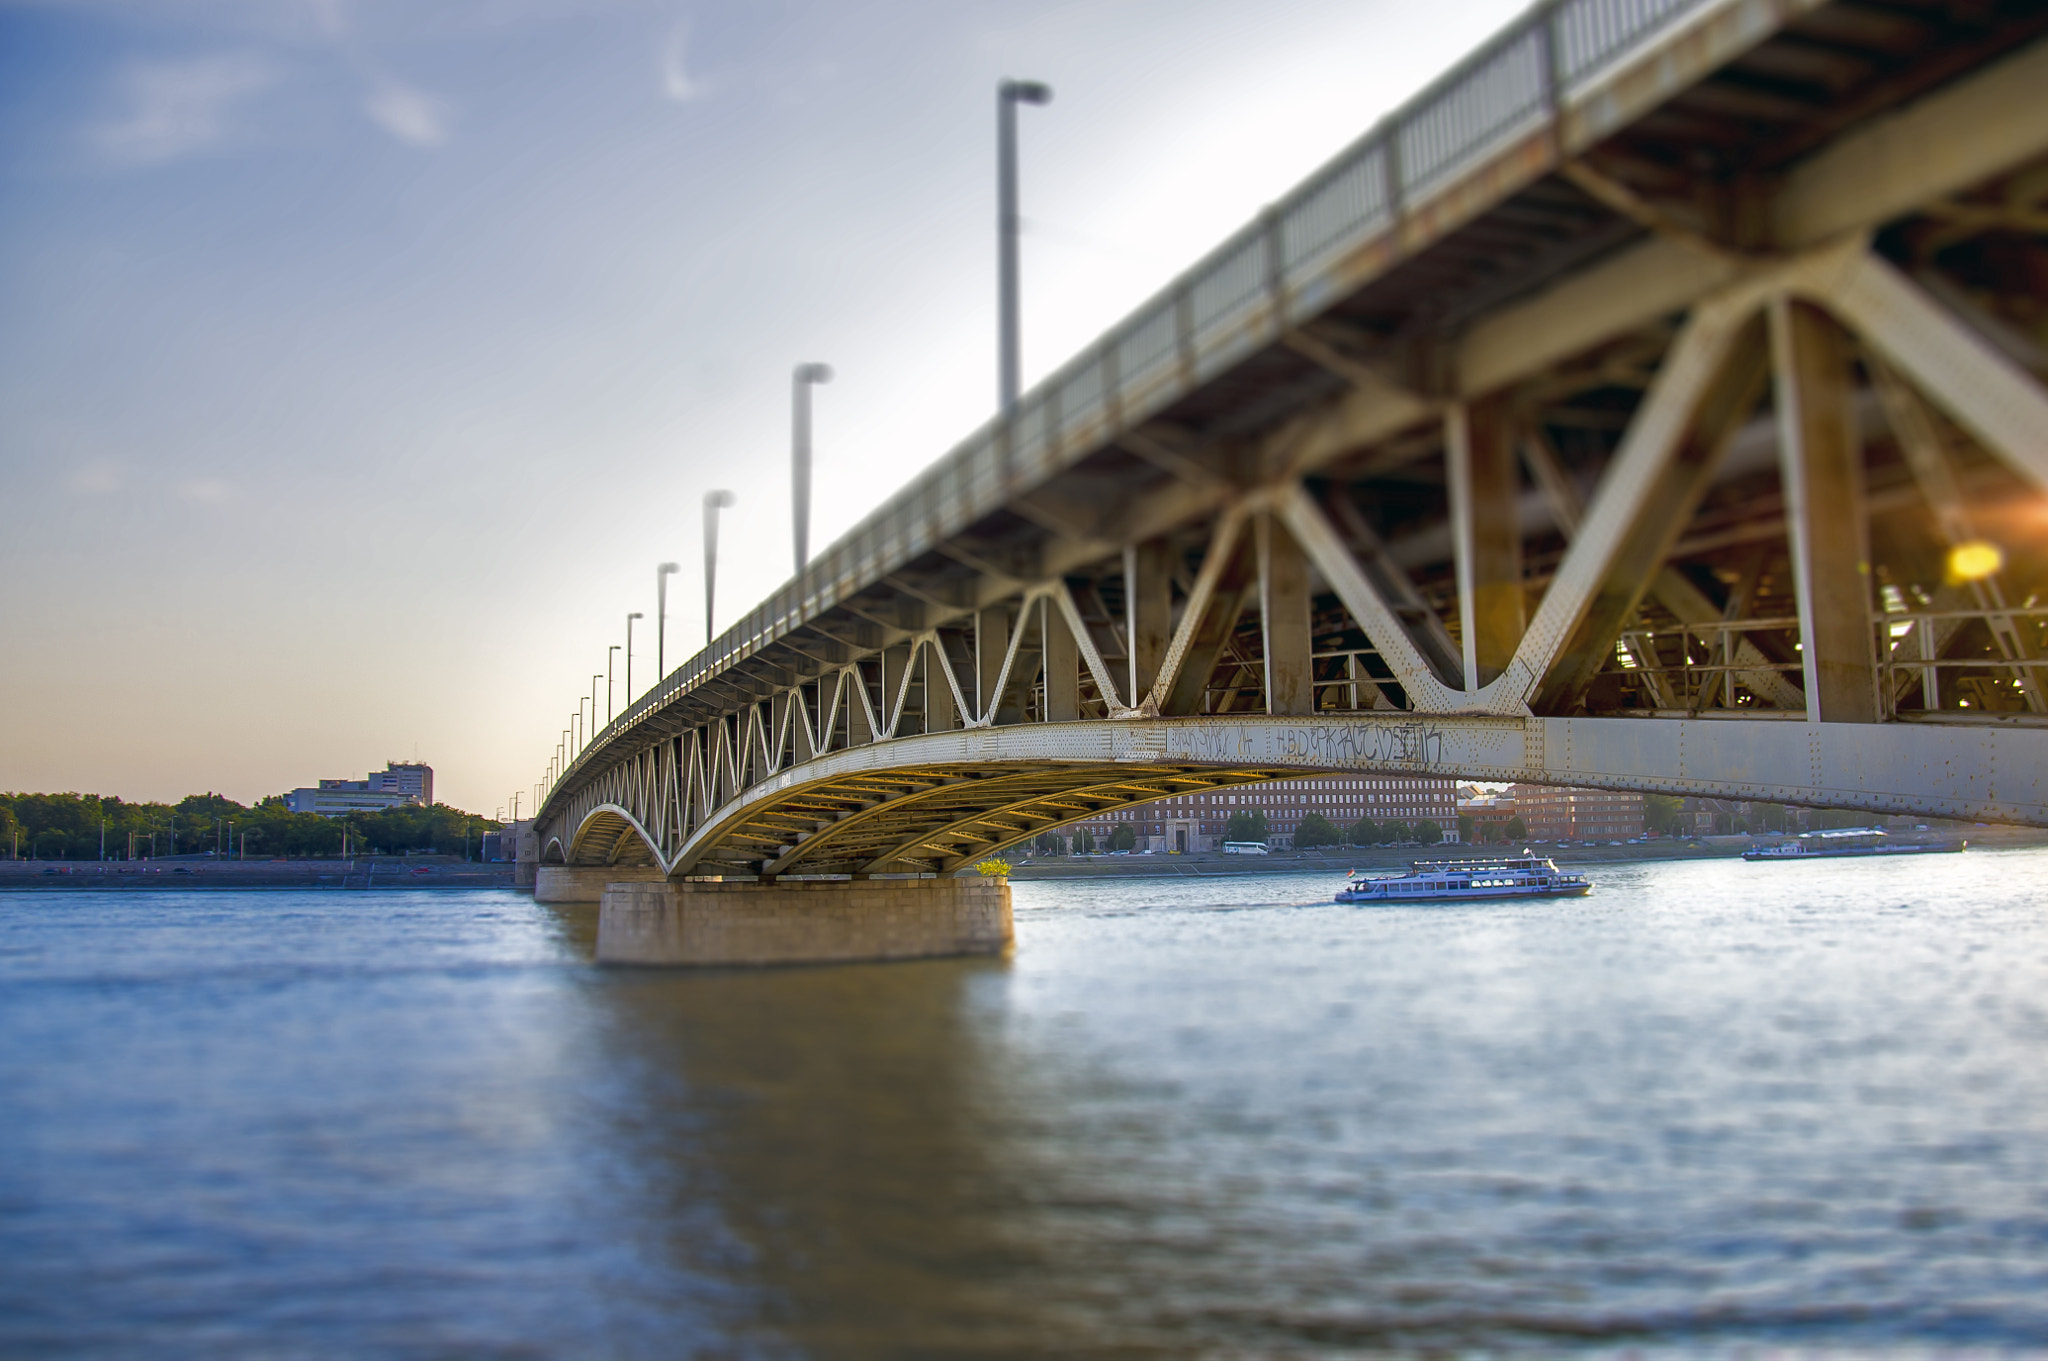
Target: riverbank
pixel 365 872
pixel 1340 859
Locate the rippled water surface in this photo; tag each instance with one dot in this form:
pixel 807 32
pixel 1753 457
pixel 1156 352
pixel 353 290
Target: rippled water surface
pixel 1713 1104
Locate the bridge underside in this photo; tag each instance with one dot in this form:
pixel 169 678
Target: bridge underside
pixel 937 803
pixel 1688 435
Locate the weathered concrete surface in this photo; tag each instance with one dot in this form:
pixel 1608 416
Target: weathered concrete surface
pixel 802 921
pixel 586 883
pixel 525 853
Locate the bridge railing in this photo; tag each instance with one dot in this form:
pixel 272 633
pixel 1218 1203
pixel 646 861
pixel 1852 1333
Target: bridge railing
pixel 1280 268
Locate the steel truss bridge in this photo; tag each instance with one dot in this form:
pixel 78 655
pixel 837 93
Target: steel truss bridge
pixel 1655 403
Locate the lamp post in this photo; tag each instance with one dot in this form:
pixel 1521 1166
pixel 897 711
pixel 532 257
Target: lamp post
pixel 714 501
pixel 1009 95
pixel 629 654
pixel 595 677
pixel 661 576
pixel 608 683
pixel 800 455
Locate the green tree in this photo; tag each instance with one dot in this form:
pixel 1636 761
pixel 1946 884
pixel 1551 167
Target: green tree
pixel 1123 839
pixel 1429 832
pixel 1662 813
pixel 1314 830
pixel 1364 832
pixel 1516 829
pixel 1467 825
pixel 1246 824
pixel 1393 831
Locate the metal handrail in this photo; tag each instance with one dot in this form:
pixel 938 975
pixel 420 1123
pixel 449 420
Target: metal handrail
pixel 1231 301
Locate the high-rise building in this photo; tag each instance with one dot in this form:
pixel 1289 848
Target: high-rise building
pixel 405 778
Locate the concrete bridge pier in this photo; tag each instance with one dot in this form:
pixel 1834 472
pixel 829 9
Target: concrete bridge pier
pixel 801 921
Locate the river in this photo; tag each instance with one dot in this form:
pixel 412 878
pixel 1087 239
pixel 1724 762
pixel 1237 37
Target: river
pixel 1712 1105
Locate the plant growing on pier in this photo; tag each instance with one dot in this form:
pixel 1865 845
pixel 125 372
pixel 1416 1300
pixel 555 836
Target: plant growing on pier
pixel 993 868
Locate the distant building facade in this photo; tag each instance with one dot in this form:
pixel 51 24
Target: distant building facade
pixel 394 786
pixel 1482 806
pixel 409 778
pixel 1186 823
pixel 1552 813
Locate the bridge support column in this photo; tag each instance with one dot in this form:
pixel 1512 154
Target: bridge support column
pixel 1148 612
pixel 802 921
pixel 1821 470
pixel 1486 537
pixel 586 883
pixel 1062 666
pixel 1284 620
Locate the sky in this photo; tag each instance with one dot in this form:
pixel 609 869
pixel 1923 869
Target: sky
pixel 361 359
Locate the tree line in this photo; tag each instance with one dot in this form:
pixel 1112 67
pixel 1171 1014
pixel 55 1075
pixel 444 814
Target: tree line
pixel 76 826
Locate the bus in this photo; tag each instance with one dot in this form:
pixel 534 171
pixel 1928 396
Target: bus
pixel 1245 848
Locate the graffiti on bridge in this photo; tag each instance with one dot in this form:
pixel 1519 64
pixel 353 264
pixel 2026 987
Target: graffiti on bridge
pixel 1411 743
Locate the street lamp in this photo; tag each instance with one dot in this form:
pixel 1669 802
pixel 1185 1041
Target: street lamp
pixel 629 654
pixel 714 501
pixel 595 677
pixel 661 576
pixel 1009 95
pixel 800 455
pixel 608 683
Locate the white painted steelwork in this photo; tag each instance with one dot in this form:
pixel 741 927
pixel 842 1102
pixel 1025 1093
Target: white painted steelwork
pixel 1606 417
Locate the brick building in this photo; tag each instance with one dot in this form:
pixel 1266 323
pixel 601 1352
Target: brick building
pixel 1558 814
pixel 1187 823
pixel 1481 806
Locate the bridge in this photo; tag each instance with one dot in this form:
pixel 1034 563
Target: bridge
pixel 1655 403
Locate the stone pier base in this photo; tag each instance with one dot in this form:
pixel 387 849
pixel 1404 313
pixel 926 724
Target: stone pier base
pixel 802 921
pixel 586 883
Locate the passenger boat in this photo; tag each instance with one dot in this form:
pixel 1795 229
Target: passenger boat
pixel 1527 875
pixel 1846 841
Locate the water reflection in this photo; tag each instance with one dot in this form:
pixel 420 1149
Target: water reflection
pixel 835 1117
pixel 1669 1114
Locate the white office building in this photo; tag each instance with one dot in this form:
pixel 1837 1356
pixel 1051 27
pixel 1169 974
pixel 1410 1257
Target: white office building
pixel 392 787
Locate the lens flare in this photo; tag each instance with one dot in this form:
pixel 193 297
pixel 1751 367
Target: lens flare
pixel 1975 560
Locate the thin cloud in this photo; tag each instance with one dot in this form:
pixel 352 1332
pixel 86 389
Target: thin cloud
pixel 675 77
pixel 408 115
pixel 96 479
pixel 206 490
pixel 181 108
